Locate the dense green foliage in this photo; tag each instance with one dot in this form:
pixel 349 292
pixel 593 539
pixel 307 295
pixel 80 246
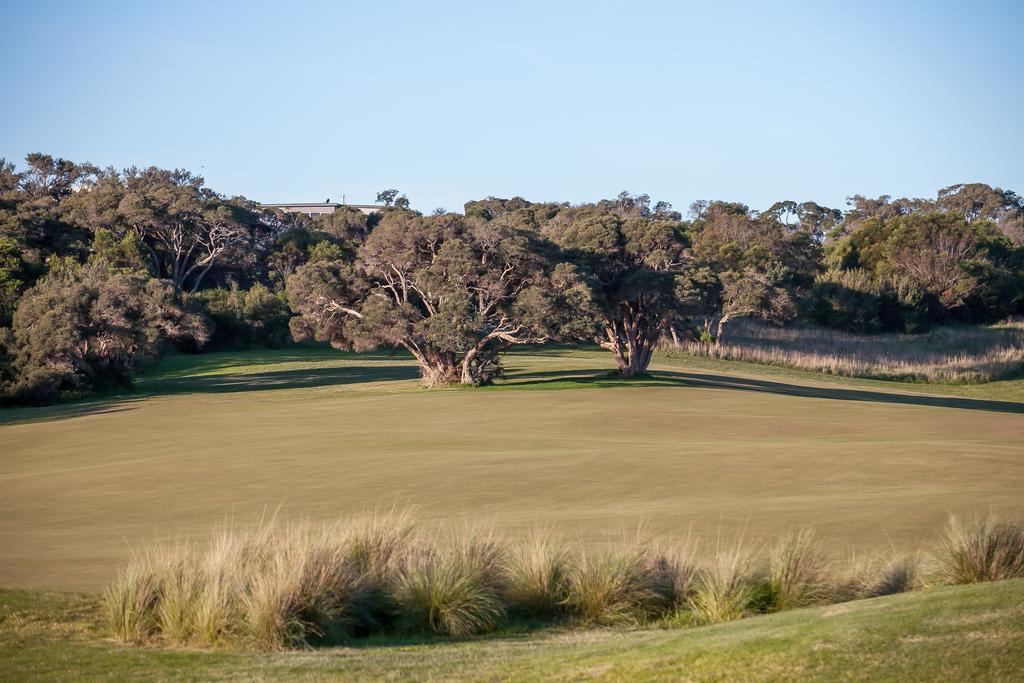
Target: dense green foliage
pixel 456 290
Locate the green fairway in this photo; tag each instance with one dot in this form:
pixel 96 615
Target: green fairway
pixel 719 446
pixel 950 634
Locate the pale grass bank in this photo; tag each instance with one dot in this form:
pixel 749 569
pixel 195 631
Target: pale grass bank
pixel 956 354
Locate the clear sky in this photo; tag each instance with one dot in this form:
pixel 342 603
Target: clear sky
pixel 754 102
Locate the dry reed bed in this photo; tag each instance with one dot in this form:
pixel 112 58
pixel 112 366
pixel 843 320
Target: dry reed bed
pixel 280 586
pixel 959 355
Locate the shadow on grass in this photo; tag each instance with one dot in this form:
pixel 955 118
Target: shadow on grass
pixel 567 379
pixel 305 378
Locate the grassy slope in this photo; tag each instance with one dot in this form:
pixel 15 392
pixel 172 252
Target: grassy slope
pixel 715 445
pixel 949 634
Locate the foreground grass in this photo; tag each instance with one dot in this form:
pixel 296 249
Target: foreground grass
pixel 948 634
pixel 717 445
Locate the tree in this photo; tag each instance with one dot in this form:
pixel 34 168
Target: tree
pixel 11 279
pixel 84 327
pixel 978 201
pixel 762 262
pixel 187 228
pixel 387 197
pixel 30 203
pixel 964 269
pixel 809 217
pixel 454 292
pixel 632 259
pixel 752 294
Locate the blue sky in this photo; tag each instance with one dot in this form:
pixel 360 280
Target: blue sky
pixel 751 102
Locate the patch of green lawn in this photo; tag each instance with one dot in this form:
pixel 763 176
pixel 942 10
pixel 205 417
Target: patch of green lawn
pixel 949 634
pixel 719 447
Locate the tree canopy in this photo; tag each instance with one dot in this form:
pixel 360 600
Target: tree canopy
pixel 102 267
pixel 453 291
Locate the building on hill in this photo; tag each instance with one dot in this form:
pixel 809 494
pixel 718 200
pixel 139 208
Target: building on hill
pixel 314 209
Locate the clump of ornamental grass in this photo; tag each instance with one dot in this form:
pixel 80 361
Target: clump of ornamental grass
pixel 725 587
pixel 376 547
pixel 305 591
pixel 272 587
pixel 874 577
pixel 180 587
pixel 629 584
pixel 536 573
pixel 797 572
pixel 131 601
pixel 455 590
pixel 980 548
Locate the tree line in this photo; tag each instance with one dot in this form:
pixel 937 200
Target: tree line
pixel 101 269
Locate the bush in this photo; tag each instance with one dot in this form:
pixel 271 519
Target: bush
pixel 857 301
pixel 82 328
pixel 253 317
pixel 980 549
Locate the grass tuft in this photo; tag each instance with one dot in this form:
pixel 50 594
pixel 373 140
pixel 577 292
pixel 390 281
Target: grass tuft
pixel 724 588
pixel 797 574
pixel 451 592
pixel 536 574
pixel 980 548
pixel 615 586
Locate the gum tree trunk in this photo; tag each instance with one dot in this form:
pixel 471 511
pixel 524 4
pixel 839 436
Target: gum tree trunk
pixel 632 343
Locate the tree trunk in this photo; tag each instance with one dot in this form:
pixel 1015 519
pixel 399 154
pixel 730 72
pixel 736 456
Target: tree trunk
pixel 438 373
pixel 632 345
pixel 467 368
pixel 675 336
pixel 721 328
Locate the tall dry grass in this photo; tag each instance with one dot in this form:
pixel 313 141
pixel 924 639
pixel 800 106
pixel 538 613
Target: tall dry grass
pixel 454 588
pixel 798 572
pixel 979 548
pixel 726 585
pixel 536 575
pixel 958 355
pixel 276 586
pixel 873 577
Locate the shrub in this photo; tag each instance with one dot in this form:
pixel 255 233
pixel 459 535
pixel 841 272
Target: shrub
pixel 980 549
pixel 253 317
pixel 85 327
pixel 856 301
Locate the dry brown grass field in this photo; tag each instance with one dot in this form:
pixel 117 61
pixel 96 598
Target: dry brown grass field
pixel 708 445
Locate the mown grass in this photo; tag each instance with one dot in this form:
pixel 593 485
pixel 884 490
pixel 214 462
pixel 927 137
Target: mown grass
pixel 957 633
pixel 718 445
